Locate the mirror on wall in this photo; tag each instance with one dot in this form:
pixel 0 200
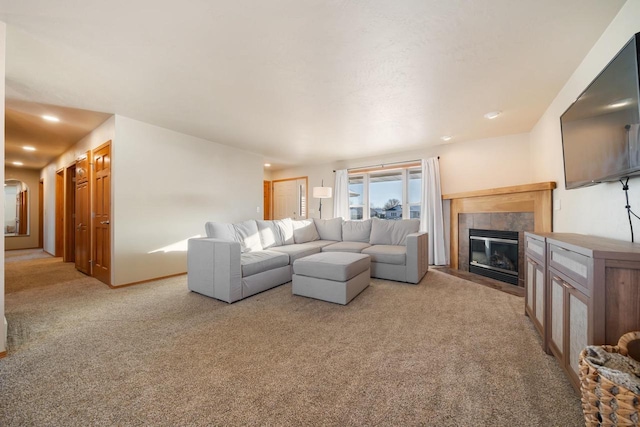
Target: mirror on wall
pixel 16 208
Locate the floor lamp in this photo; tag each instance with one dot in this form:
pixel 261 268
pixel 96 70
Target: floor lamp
pixel 322 193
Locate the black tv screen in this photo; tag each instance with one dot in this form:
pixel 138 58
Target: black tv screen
pixel 600 129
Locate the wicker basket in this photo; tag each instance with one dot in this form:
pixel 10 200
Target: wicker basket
pixel 604 402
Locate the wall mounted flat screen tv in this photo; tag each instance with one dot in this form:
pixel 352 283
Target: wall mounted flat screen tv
pixel 600 129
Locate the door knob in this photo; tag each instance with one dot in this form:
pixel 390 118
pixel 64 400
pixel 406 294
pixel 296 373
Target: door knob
pixel 104 222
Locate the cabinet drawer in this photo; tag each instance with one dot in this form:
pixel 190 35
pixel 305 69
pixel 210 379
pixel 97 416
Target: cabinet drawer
pixel 573 265
pixel 535 248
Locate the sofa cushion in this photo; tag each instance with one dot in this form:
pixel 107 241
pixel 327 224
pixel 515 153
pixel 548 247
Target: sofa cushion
pixel 304 231
pixel 248 234
pixel 321 243
pixel 296 251
pixel 221 230
pixel 387 254
pixel 269 234
pixel 276 232
pixel 329 229
pixel 245 233
pixel 286 230
pixel 355 247
pixel 356 231
pixel 389 232
pixel 259 261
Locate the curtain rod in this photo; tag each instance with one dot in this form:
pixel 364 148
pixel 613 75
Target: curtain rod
pixel 385 164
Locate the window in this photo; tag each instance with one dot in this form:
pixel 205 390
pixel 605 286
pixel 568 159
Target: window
pixel 386 194
pixel 356 196
pixel 415 190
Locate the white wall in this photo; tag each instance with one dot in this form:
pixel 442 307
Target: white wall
pixel 31 178
pixel 3 326
pixel 464 166
pixel 98 136
pixel 597 210
pixel 166 185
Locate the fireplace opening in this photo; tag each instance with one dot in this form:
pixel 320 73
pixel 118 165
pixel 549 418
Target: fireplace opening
pixel 494 254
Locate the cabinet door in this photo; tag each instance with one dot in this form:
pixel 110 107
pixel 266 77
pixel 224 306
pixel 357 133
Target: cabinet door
pixel 539 298
pixel 578 330
pixel 535 298
pixel 556 316
pixel 529 284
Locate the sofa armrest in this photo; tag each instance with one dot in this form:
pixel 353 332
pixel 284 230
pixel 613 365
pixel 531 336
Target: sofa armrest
pixel 417 256
pixel 213 268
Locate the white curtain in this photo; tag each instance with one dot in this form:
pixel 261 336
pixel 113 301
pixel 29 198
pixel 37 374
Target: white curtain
pixel 431 218
pixel 341 196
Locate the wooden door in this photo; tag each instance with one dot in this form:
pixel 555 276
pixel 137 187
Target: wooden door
pixel 59 221
pixel 102 213
pixel 70 214
pixel 290 198
pixel 41 214
pixel 24 212
pixel 267 200
pixel 83 216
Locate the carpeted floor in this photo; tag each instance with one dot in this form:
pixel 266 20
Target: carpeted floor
pixel 446 352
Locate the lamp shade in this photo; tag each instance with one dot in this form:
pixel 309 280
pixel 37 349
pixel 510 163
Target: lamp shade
pixel 322 192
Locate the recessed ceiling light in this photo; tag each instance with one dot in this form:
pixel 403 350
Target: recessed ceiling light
pixel 446 137
pixel 28 148
pixel 18 163
pixel 267 165
pixel 51 118
pixel 492 115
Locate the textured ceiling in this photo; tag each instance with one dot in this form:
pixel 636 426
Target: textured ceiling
pixel 304 81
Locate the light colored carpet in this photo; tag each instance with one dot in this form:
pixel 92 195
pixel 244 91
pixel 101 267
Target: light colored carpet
pixel 446 352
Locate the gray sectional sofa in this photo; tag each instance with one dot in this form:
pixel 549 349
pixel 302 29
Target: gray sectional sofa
pixel 236 261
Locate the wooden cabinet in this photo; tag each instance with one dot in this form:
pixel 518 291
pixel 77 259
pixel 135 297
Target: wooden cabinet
pixel 591 293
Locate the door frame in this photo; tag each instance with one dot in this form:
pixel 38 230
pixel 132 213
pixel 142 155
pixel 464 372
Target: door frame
pixel 306 195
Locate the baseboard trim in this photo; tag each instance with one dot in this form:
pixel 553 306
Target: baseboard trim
pixel 23 249
pixel 147 281
pixel 3 354
pixel 47 252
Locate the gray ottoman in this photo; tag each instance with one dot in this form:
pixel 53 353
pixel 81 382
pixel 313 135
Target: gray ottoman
pixel 331 276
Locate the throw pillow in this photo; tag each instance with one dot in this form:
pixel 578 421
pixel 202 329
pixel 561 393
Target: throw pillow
pixel 329 229
pixel 304 231
pixel 356 231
